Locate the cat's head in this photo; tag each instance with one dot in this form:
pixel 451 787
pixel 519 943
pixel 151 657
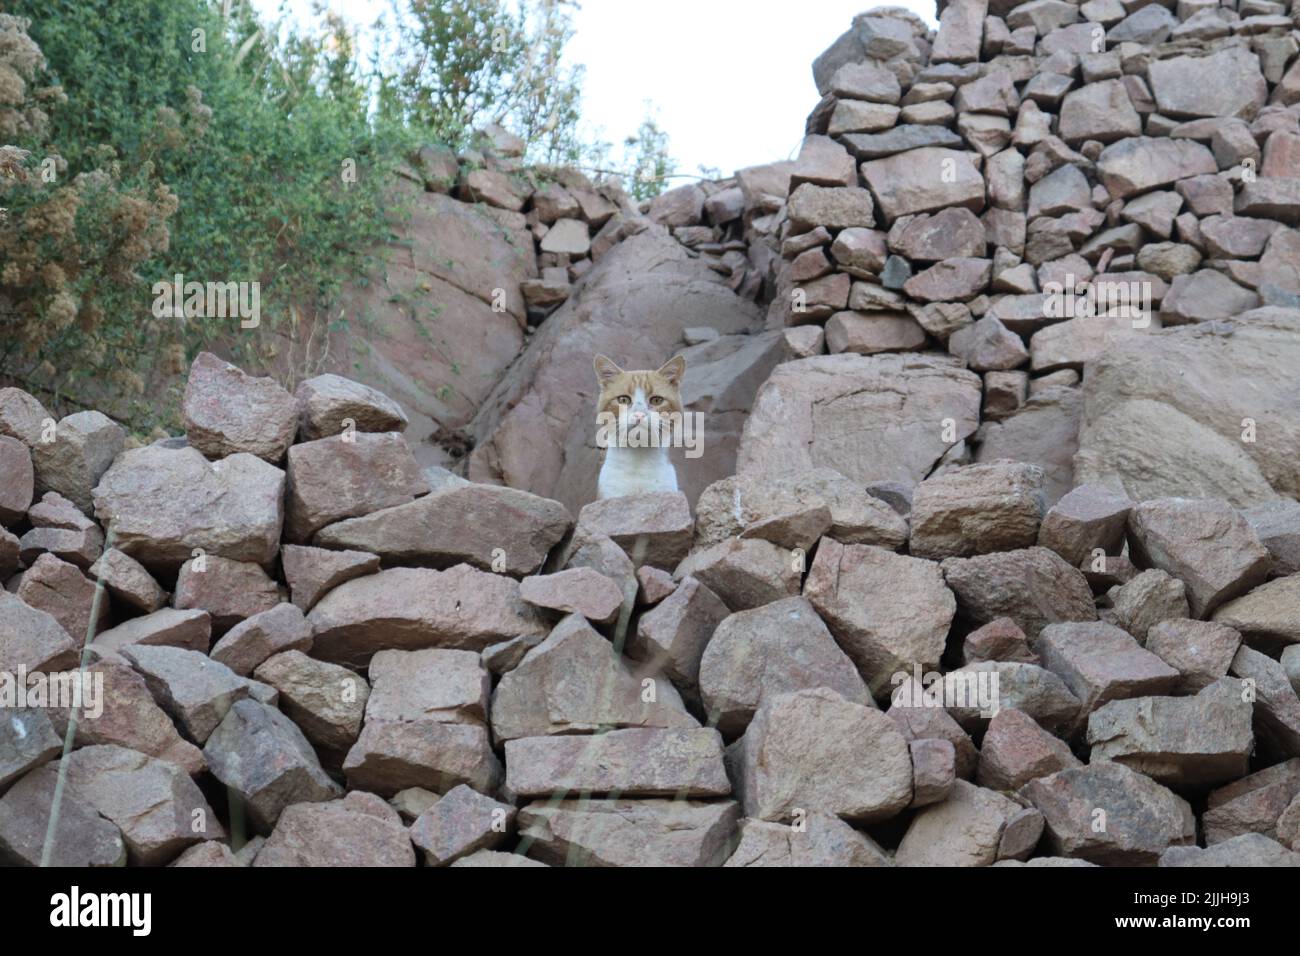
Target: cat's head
pixel 645 398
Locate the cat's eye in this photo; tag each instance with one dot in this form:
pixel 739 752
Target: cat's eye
pixel 624 399
pixel 656 399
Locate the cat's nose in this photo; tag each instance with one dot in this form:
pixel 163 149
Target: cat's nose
pixel 637 417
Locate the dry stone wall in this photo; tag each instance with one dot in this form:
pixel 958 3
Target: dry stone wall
pixel 966 577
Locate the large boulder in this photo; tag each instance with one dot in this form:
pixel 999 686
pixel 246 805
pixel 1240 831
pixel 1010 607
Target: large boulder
pixel 449 302
pixel 494 528
pixel 871 418
pixel 165 500
pixel 535 430
pixel 888 611
pixel 410 608
pixel 1166 414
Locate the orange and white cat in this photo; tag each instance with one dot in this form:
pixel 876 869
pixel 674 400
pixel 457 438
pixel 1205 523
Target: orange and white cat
pixel 644 403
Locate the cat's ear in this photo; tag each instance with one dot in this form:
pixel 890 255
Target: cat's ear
pixel 606 370
pixel 674 369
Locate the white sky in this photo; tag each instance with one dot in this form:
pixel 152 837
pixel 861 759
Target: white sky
pixel 730 80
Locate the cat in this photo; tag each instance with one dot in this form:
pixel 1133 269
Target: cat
pixel 633 408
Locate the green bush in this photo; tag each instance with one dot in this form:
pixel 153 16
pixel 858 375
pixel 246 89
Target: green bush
pixel 251 136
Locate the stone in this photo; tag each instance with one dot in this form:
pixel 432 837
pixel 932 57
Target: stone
pixel 60 589
pixel 1201 651
pixel 730 506
pixel 934 770
pixel 653 585
pixel 227 412
pixel 864 81
pixel 950 233
pixel 835 207
pixel 1268 615
pixel 574 591
pixel 1138 164
pixel 952 279
pixel 671 637
pixel 870 418
pixel 347 476
pixel 330 404
pixel 27 740
pixel 824 162
pixel 1043 431
pixel 903 137
pixel 568 237
pixel 83 838
pixel 1032 586
pixel 1088 518
pixel 390 756
pixel 914 182
pixel 209 853
pixel 22 416
pixel 262 756
pixel 1177 395
pixel 1099 111
pixel 195 690
pixel 460 823
pixel 411 608
pixel 873 333
pixel 1205 543
pixel 660 521
pixel 976 510
pixel 84 445
pixel 1252 804
pixel 158 808
pixel 164 627
pixel 230 591
pixel 756 655
pixel 1249 849
pixel 825 840
pixel 1101 663
pixel 998 640
pixel 33 639
pixel 1139 818
pixel 360 830
pixel 620 832
pixel 128 581
pixel 1278 526
pixel 166 499
pixel 433 684
pixel 1179 741
pixel 744 572
pixel 574 682
pixel 1204 296
pixel 813 750
pixel 1064 190
pixel 1016 750
pixel 1036 691
pixel 635 762
pixel 126 715
pixel 965 830
pixel 17 480
pixel 254 640
pixel 961 27
pixel 905 621
pixel 313 572
pixel 1277 707
pixel 1147 599
pixel 327 702
pixel 1227 82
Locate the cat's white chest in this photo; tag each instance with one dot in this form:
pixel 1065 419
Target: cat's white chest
pixel 630 471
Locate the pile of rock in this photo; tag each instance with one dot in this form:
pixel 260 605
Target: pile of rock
pixel 991 583
pixel 313 652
